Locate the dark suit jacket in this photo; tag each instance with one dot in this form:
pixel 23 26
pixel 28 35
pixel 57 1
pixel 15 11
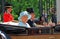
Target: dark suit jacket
pixel 31 23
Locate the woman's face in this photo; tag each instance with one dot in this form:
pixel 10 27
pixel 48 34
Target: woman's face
pixel 24 19
pixel 9 9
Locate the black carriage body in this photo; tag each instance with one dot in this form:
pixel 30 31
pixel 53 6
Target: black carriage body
pixel 12 29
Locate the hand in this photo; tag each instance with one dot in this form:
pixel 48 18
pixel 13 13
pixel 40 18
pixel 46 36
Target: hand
pixel 15 21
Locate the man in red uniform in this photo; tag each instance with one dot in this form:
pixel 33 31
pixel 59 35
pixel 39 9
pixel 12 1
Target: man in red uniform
pixel 7 17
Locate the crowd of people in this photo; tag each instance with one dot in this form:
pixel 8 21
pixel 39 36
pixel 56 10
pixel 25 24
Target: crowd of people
pixel 27 18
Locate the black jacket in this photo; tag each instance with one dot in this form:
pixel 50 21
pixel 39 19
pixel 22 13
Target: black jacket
pixel 31 23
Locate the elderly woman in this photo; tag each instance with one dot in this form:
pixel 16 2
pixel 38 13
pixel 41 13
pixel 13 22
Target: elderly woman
pixel 23 18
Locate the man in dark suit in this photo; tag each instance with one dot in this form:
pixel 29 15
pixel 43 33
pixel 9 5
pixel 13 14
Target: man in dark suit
pixel 31 21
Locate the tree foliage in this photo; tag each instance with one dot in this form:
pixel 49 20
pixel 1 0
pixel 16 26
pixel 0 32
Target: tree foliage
pixel 21 5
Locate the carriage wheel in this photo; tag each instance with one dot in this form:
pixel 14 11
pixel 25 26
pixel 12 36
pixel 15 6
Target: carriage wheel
pixel 4 35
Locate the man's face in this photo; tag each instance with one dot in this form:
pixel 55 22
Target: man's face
pixel 32 16
pixel 24 19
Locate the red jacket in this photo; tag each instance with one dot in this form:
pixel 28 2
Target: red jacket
pixel 7 17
